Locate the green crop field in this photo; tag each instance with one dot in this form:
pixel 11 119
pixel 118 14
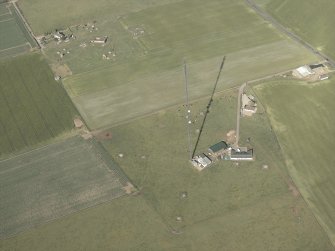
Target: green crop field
pixel 54 181
pixel 305 124
pixel 33 106
pixel 312 22
pixel 14 37
pixel 228 207
pixel 146 73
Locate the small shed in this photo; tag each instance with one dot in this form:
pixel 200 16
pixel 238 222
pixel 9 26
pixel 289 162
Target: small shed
pixel 99 40
pixel 323 77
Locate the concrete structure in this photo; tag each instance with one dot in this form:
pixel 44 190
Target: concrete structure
pixel 249 105
pixel 201 162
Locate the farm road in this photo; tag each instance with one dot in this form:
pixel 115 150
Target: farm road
pixel 238 114
pixel 286 31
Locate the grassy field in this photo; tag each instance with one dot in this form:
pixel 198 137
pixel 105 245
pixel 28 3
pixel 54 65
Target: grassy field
pixel 46 16
pixel 146 73
pixel 33 106
pixel 157 163
pixel 228 207
pixel 54 181
pixel 14 39
pixel 305 123
pixel 311 23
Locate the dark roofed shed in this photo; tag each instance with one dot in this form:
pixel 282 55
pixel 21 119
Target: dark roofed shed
pixel 218 147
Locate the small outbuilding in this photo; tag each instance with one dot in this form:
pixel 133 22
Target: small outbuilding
pixel 241 154
pixel 201 161
pixel 249 105
pixel 219 148
pixel 323 77
pixel 99 40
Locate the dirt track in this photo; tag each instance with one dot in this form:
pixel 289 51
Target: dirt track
pixel 238 113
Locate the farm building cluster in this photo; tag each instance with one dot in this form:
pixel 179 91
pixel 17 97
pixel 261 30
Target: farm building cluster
pixel 313 72
pixel 58 39
pixel 221 151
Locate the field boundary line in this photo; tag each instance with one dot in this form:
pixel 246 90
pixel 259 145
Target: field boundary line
pixel 6 20
pixel 37 149
pixel 5 14
pixel 10 48
pixel 218 93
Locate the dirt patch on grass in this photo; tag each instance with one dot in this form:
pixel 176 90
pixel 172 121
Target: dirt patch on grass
pixel 61 70
pixel 231 137
pixel 103 135
pixel 129 188
pixel 294 190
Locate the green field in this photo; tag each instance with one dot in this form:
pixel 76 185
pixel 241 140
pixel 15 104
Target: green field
pixel 305 124
pixel 313 23
pixel 228 207
pixel 33 106
pixel 46 16
pixel 54 181
pixel 146 74
pixel 14 37
pixel 137 94
pixel 157 163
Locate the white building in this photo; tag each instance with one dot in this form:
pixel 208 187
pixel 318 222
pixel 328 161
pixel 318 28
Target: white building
pixel 302 72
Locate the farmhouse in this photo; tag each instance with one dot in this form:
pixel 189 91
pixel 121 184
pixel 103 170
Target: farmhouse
pixel 218 149
pixel 241 154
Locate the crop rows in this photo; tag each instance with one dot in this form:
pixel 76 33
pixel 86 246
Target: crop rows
pixel 34 107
